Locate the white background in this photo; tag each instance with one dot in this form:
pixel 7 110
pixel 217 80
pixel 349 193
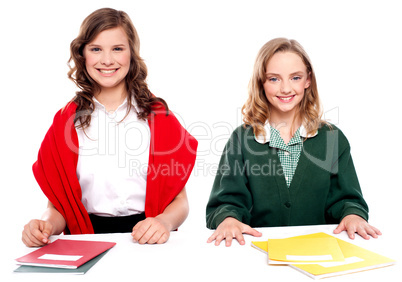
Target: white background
pixel 200 56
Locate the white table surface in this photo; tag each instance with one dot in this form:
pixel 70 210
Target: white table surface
pixel 187 257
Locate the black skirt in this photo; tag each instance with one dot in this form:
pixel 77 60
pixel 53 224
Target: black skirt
pixel 117 224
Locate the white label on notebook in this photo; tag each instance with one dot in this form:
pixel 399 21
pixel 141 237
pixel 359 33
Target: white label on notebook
pixel 308 258
pixel 338 263
pixel 60 257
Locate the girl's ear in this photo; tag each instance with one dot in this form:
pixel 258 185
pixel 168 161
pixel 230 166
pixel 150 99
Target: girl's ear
pixel 308 81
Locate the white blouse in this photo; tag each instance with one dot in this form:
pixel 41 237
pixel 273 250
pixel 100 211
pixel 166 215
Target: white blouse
pixel 113 161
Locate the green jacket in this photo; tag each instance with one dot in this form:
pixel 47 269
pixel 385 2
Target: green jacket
pixel 250 185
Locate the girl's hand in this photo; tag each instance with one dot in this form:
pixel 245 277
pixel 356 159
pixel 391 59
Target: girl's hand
pixel 152 230
pixel 232 228
pixel 36 233
pixel 355 224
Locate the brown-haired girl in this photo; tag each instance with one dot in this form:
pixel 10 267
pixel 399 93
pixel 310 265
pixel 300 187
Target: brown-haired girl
pixel 109 161
pixel 285 166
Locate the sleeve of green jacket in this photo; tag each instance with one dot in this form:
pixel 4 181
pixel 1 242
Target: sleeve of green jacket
pixel 230 195
pixel 345 196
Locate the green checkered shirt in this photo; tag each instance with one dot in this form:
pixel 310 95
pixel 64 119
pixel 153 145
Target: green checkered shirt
pixel 289 154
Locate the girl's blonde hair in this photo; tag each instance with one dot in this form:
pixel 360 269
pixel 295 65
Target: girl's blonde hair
pixel 256 110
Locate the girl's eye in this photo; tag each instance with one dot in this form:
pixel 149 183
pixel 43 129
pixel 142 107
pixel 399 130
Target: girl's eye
pixel 118 49
pixel 95 49
pixel 296 78
pixel 273 79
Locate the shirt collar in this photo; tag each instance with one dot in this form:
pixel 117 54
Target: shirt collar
pixel 262 139
pixel 133 102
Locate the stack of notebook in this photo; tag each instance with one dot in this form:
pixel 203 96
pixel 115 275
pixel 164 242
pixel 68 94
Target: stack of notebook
pixel 320 255
pixel 64 256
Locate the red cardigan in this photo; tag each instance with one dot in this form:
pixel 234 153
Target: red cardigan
pixel 171 159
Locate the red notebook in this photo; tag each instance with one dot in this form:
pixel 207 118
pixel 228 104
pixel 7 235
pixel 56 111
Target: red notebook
pixel 65 253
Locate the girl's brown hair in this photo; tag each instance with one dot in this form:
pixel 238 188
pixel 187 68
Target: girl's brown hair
pixel 256 110
pixel 136 86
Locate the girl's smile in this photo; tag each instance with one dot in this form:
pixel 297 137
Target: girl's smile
pixel 108 72
pixel 286 99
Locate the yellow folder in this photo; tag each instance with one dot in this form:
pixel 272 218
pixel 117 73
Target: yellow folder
pixel 356 259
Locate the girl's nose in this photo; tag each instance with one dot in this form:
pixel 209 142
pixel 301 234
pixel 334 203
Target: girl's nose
pixel 285 87
pixel 107 59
